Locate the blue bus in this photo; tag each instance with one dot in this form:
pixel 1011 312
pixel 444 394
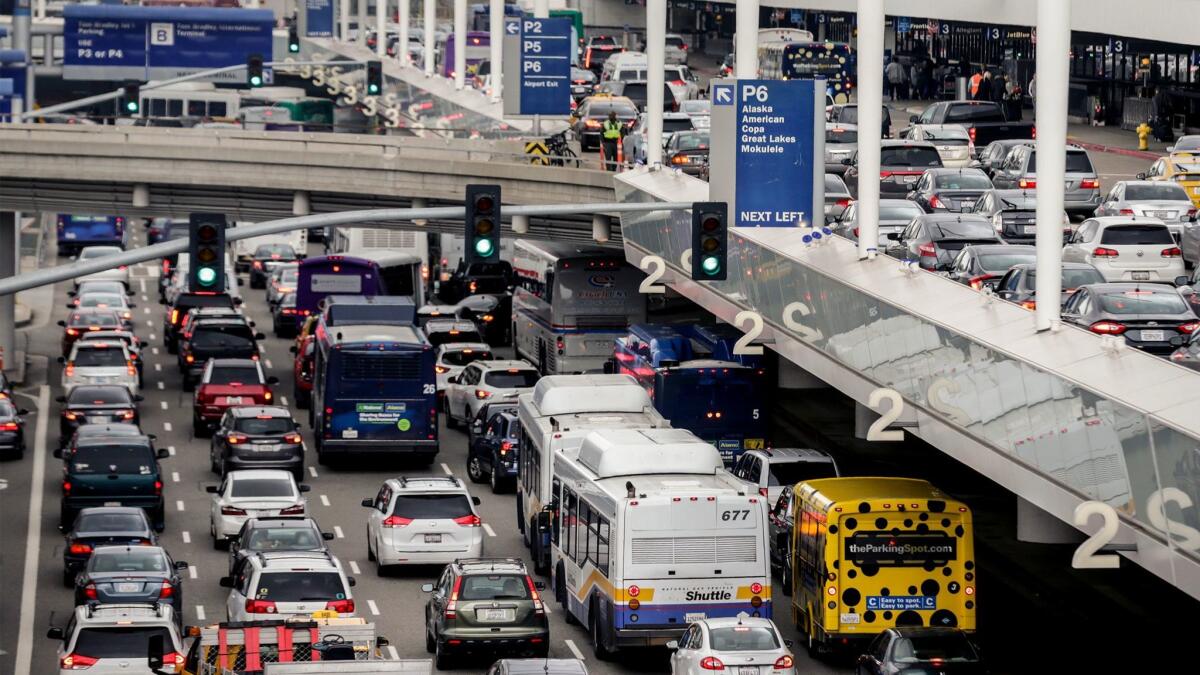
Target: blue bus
pixel 478 48
pixel 688 372
pixel 322 276
pixel 75 232
pixel 374 392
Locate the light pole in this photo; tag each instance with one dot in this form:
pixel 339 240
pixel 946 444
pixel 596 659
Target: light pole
pixel 1051 66
pixel 870 119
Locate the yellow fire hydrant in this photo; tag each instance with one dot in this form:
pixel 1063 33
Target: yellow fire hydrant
pixel 1143 132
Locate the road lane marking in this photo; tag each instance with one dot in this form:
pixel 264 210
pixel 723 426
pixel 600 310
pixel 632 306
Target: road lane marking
pixel 142 284
pixel 158 367
pixel 324 500
pixel 164 405
pixel 187 536
pixel 162 385
pixel 192 573
pixel 393 653
pixel 144 299
pixel 145 310
pixel 153 337
pixel 354 567
pixel 24 658
pixel 337 532
pixel 488 528
pixel 179 505
pixel 167 426
pixel 150 324
pixel 283 401
pixel 373 607
pixel 312 471
pixel 574 650
pixel 174 476
pixel 447 469
pixel 154 351
pixel 200 613
pixel 171 450
pixel 268 363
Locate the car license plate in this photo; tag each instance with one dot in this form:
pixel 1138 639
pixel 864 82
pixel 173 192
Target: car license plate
pixel 433 539
pixel 693 617
pixel 71 235
pixel 112 503
pixel 1029 229
pixel 129 587
pixel 100 419
pixel 747 670
pixel 494 614
pixel 1141 276
pixel 849 617
pixel 1153 336
pixel 911 179
pixel 266 447
pixel 1164 214
pixel 233 400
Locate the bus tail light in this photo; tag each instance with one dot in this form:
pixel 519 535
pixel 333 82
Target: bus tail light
pixel 711 663
pixel 784 662
pixel 561 345
pixel 969 590
pixel 756 588
pixel 756 602
pixel 831 591
pixel 634 604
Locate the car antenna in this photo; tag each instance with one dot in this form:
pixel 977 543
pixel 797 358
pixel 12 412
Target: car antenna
pixel 630 492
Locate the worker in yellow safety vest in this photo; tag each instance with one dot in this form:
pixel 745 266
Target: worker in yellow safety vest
pixel 610 137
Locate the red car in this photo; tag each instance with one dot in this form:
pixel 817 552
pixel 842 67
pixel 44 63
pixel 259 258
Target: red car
pixel 302 371
pixel 81 321
pixel 227 383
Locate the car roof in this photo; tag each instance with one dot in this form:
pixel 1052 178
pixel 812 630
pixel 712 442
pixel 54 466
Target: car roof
pixel 448 325
pixel 282 521
pixel 1001 248
pixel 114 439
pixel 544 666
pixel 487 565
pixel 951 218
pixel 89 615
pixel 98 344
pixel 247 474
pixel 460 346
pixel 293 560
pixel 257 410
pixel 505 364
pixel 728 621
pixel 905 143
pixel 1124 287
pixel 959 170
pixel 794 455
pixel 219 363
pixel 913 631
pixel 113 510
pixel 429 483
pixel 1108 221
pixel 118 430
pixel 98 389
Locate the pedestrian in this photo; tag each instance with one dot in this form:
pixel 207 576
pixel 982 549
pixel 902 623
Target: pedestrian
pixel 914 76
pixel 1014 102
pixel 1033 92
pixel 985 87
pixel 896 76
pixel 999 88
pixel 976 81
pixel 610 136
pixel 927 78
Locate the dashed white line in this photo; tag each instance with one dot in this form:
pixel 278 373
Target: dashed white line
pixel 192 574
pixel 187 536
pixel 324 500
pixel 283 401
pixel 488 528
pixel 337 532
pixel 164 405
pixel 142 284
pixel 154 351
pixel 158 367
pixel 267 363
pixel 171 450
pixel 574 650
pixel 312 471
pixel 153 337
pixel 145 310
pixel 174 476
pixel 179 505
pixel 150 324
pixel 200 614
pixel 167 426
pixel 393 653
pixel 354 567
pixel 162 385
pixel 446 468
pixel 144 299
pixel 373 607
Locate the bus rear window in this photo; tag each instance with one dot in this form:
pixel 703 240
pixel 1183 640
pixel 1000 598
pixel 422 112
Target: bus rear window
pixel 508 379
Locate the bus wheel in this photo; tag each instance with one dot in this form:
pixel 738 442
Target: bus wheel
pixel 601 650
pixel 786 579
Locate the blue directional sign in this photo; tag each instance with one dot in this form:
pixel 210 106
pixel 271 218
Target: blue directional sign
pixel 545 66
pixel 318 18
pixel 115 42
pixel 723 94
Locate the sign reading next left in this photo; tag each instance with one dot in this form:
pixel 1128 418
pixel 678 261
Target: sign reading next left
pixel 116 42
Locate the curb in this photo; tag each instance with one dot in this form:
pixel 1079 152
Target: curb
pixel 22 316
pixel 1099 147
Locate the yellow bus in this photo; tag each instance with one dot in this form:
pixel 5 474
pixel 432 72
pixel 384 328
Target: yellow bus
pixel 873 553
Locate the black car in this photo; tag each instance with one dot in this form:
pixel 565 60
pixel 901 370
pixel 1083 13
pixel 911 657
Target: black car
pixel 934 240
pixel 901 163
pixel 492 314
pixel 493 449
pixel 265 259
pixel 1188 355
pixel 1152 317
pixel 283 317
pixel 1013 214
pixel 982 266
pixel 474 279
pixel 918 649
pixel 214 338
pixel 103 526
pixel 1019 284
pixel 782 521
pixel 124 574
pixel 96 404
pixel 950 190
pixel 257 437
pixel 283 533
pixel 112 470
pixel 173 318
pixel 12 429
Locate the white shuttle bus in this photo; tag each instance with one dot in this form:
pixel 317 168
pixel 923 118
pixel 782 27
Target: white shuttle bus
pixel 402 255
pixel 560 411
pixel 570 303
pixel 653 534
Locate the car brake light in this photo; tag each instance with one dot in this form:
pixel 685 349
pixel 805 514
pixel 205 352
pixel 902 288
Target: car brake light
pixel 72 332
pixel 166 590
pixel 70 370
pixel 1029 304
pixel 292 510
pixel 260 607
pixel 232 511
pixel 1026 184
pixel 1108 328
pixel 470 521
pixel 711 663
pixel 505 447
pixel 1189 327
pixel 784 662
pixel 341 606
pixel 81 549
pixel 89 592
pixel 234 439
pixel 971 134
pixel 1125 212
pixel 258 264
pixel 451 611
pixel 1101 252
pixel 936 203
pixel 175 317
pixel 174 658
pixel 1172 252
pixel 294 439
pixel 1089 184
pixel 396 521
pixel 77 662
pixel 977 282
pixel 190 358
pixel 158 486
pixel 130 368
pixel 441 370
pixel 533 594
pixel 927 250
pixel 482 394
pixel 843 203
pixel 9 426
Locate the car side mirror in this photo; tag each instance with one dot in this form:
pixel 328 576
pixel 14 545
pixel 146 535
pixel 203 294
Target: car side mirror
pixel 225 582
pixel 139 398
pixel 1141 176
pixel 130 293
pixel 181 564
pixel 62 323
pixel 914 118
pixel 58 453
pixel 71 294
pixel 132 305
pixel 162 453
pixel 426 588
pixel 672 644
pixel 352 581
pixel 475 501
pixel 212 489
pixel 237 301
pixel 381 641
pixel 54 633
pixel 153 437
pixel 327 536
pixel 845 161
pixel 260 336
pixel 1181 280
pixel 22 411
pixel 368 502
pixel 252 324
pixel 305 488
pixel 540 585
pixel 272 380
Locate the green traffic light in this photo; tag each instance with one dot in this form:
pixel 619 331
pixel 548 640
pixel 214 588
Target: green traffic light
pixel 131 106
pixel 373 89
pixel 710 264
pixel 294 47
pixel 484 247
pixel 255 81
pixel 206 276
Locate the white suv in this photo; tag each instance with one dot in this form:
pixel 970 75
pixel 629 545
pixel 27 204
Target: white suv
pixel 452 357
pixel 279 584
pixel 1127 248
pixel 769 471
pixel 422 521
pixel 99 362
pixel 116 639
pixel 484 382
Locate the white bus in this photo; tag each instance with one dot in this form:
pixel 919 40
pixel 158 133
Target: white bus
pixel 384 246
pixel 560 411
pixel 570 303
pixel 200 100
pixel 653 534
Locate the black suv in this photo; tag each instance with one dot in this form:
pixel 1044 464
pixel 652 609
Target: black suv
pixel 282 533
pixel 485 606
pixel 206 339
pixel 185 302
pixel 257 437
pixel 493 449
pixel 112 470
pixel 96 404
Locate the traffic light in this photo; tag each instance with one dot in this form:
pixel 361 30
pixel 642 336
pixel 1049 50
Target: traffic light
pixel 254 71
pixel 483 223
pixel 206 248
pixel 293 40
pixel 132 99
pixel 374 78
pixel 710 241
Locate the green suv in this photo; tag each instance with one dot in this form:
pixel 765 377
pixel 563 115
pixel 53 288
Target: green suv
pixel 485 606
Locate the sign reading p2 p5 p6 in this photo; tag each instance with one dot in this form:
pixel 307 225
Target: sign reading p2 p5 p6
pixel 768 146
pixel 539 80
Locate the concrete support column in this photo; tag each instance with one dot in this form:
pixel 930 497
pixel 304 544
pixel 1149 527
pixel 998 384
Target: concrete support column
pixel 1053 48
pixel 300 203
pixel 1035 525
pixel 601 228
pixel 381 7
pixel 496 30
pixel 745 53
pixel 656 78
pixel 360 37
pixel 541 9
pixel 520 224
pixel 402 43
pixel 429 42
pixel 10 226
pixel 870 117
pixel 419 203
pixel 22 38
pixel 344 19
pixel 460 44
pixel 141 196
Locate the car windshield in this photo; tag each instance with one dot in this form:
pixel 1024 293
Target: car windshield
pixel 300 586
pixel 465 357
pixel 1155 191
pixel 275 252
pixel 283 539
pixel 671 125
pixel 962 181
pixel 113 459
pixel 1077 162
pixel 103 319
pixel 124 642
pixel 951 647
pixel 1004 261
pixel 236 336
pixel 1143 302
pixel 838 135
pixel 494 587
pixel 915 156
pixel 234 375
pixel 92 299
pixel 1136 235
pixel 262 487
pixel 99 357
pixel 790 473
pixel 1072 277
pixel 417 506
pixel 694 140
pixel 511 379
pixel 742 639
pixel 264 424
pixel 129 559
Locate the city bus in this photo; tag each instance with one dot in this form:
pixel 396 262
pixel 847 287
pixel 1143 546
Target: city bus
pixel 325 275
pixel 722 402
pixel 559 412
pixel 570 303
pixel 872 553
pixel 654 534
pixel 75 232
pixel 792 60
pixel 363 240
pixel 198 100
pixel 374 391
pixel 478 49
pixel 310 113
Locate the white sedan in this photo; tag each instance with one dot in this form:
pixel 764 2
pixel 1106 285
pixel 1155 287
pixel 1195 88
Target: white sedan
pixel 734 643
pixel 255 493
pixel 99 362
pixel 120 273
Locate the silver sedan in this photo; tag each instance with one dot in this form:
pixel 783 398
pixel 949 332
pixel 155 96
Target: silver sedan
pixel 742 644
pixel 1168 202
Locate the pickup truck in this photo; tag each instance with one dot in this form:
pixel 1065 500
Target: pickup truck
pixel 983 120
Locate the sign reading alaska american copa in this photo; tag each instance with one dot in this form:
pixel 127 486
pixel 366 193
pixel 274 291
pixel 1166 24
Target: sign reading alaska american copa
pixel 768 139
